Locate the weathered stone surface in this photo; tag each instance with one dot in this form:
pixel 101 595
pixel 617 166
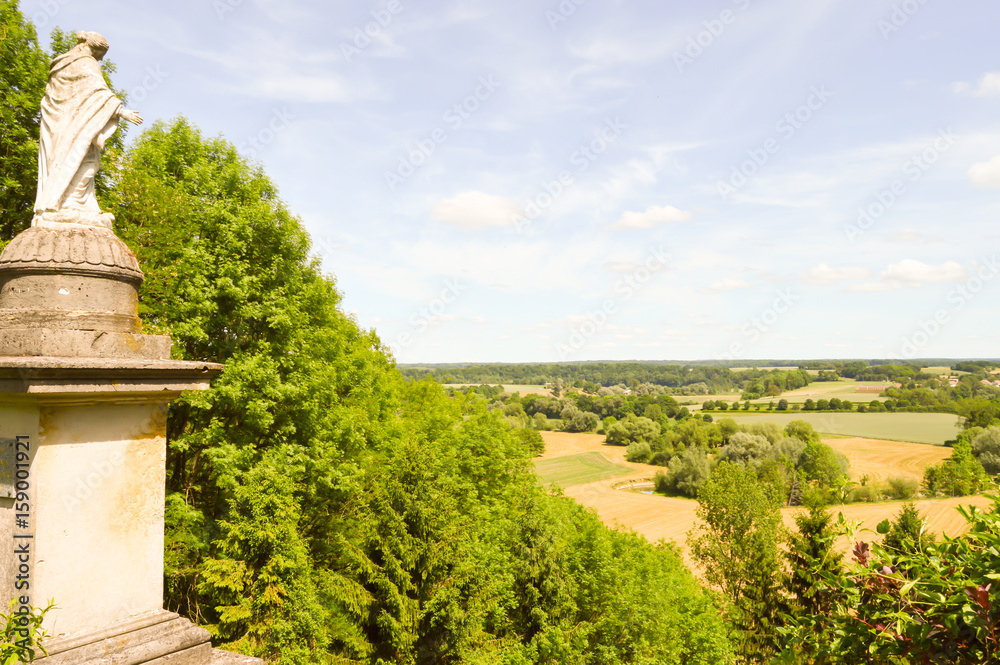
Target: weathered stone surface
pixel 68 278
pixel 199 655
pixel 34 377
pixel 68 247
pixel 83 344
pixel 220 657
pixel 154 637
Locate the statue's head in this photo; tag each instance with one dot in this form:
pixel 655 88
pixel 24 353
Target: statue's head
pixel 93 41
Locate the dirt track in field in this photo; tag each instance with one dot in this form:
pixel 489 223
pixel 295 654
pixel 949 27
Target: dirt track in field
pixel 659 517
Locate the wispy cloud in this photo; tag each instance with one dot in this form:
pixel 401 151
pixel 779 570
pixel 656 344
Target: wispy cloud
pixel 986 174
pixel 475 211
pixel 988 86
pixel 653 217
pixel 911 273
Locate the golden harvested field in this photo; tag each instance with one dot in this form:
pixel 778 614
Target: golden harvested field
pixel 880 459
pixel 659 517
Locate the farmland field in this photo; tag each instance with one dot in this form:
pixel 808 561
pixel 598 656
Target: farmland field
pixel 844 389
pixel 880 460
pixel 576 469
pixel 933 428
pixel 658 517
pixel 524 390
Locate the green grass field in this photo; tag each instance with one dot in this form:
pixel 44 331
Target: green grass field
pixel 578 469
pixel 933 428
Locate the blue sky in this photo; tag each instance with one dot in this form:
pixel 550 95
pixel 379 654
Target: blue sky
pixel 543 180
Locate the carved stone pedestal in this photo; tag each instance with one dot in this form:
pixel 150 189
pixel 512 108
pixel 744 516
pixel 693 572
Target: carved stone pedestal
pixel 83 411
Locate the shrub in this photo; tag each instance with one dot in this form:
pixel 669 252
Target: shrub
pixel 660 458
pixel 532 440
pixel 986 448
pixel 789 448
pixel 865 494
pixel 22 634
pixel 638 451
pixel 686 475
pixel 746 448
pixel 632 429
pixel 901 488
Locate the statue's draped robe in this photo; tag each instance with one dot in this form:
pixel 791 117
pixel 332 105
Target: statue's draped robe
pixel 79 114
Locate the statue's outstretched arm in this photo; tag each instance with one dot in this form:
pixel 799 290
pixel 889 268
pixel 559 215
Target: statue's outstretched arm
pixel 131 116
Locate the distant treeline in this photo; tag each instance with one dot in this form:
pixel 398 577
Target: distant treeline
pixel 679 379
pixel 698 378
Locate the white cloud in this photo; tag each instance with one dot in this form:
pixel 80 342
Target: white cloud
pixel 986 174
pixel 989 85
pixel 915 272
pixel 824 274
pixel 653 217
pixel 911 273
pixel 476 211
pixel 727 284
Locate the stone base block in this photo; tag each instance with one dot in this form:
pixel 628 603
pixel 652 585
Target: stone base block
pixel 83 344
pixel 154 638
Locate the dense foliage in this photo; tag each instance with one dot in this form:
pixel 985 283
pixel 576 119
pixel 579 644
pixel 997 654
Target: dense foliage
pixel 909 601
pixel 738 543
pixel 24 68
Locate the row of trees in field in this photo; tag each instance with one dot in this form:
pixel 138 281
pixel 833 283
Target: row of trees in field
pixel 592 377
pixel 719 376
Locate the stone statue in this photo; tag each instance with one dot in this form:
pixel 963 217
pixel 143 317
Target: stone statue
pixel 79 115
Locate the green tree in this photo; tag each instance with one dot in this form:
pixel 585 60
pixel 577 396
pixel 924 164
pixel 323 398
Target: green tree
pixel 986 448
pixel 979 412
pixel 24 69
pixel 738 541
pixel 801 430
pixel 782 405
pixel 639 452
pixel 906 532
pixel 822 465
pixel 960 475
pixel 687 473
pixel 632 429
pixel 727 428
pixel 744 448
pixel 811 550
pixel 531 439
pixel 934 604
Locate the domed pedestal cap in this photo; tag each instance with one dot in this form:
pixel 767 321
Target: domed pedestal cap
pixel 70 247
pixel 71 290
